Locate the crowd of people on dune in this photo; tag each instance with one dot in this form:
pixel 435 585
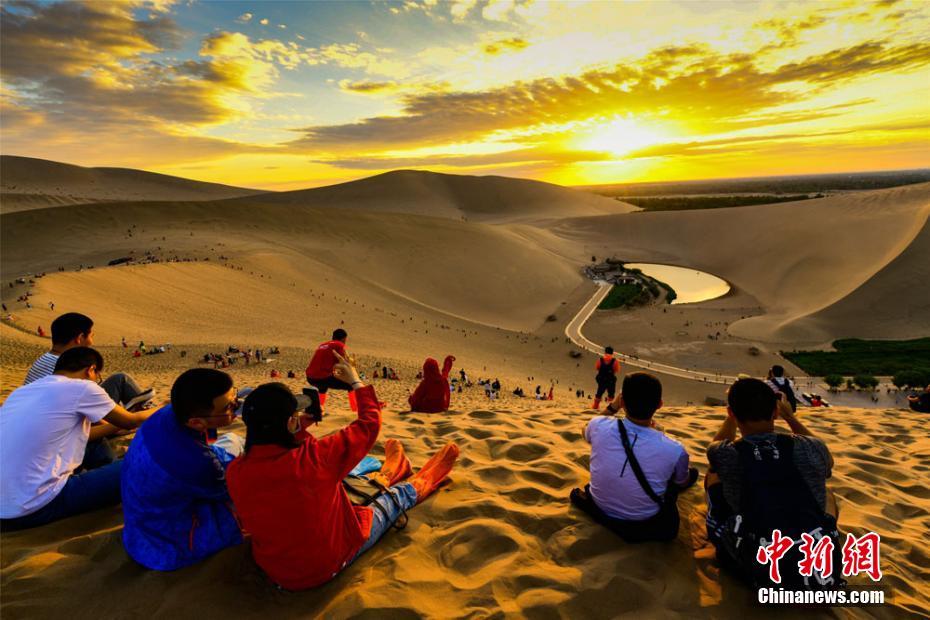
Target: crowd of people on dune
pixel 187 491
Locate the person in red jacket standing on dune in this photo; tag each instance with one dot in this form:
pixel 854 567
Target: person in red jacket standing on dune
pixel 320 369
pixel 432 395
pixel 287 485
pixel 607 370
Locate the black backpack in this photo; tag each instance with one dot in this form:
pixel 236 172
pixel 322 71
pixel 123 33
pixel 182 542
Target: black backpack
pixel 787 390
pixel 605 371
pixel 774 496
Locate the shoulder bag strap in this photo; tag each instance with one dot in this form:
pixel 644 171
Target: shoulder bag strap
pixel 634 464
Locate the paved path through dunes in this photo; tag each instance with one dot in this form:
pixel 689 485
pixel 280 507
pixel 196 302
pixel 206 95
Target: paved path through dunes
pixel 573 331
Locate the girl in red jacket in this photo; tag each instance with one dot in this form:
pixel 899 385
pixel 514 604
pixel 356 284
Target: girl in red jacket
pixel 432 395
pixel 287 486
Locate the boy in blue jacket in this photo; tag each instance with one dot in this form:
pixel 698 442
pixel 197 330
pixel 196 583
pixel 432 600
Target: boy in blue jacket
pixel 176 507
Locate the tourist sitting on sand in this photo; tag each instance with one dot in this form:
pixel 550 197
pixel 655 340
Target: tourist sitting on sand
pixel 175 505
pixel 538 393
pixel 320 370
pixel 637 471
pixel 77 330
pixel 780 383
pixel 44 432
pixel 920 402
pixel 287 486
pixel 519 392
pixel 765 481
pixel 432 394
pixel 608 367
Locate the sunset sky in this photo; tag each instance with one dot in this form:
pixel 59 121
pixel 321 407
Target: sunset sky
pixel 299 94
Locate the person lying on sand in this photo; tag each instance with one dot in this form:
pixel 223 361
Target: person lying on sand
pixel 176 508
pixel 637 471
pixel 766 481
pixel 287 486
pixel 320 369
pixel 432 394
pixel 45 472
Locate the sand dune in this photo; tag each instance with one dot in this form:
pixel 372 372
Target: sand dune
pixel 796 258
pixel 501 538
pixel 28 183
pixel 487 198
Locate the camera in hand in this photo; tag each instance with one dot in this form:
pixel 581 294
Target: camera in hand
pixel 312 405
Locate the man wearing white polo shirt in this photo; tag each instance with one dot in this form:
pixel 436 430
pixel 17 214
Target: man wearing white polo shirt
pixel 44 429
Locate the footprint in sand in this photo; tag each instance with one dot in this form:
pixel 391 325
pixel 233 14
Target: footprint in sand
pixel 474 546
pixel 478 433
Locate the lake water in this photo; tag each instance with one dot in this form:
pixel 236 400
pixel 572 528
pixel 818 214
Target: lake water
pixel 690 285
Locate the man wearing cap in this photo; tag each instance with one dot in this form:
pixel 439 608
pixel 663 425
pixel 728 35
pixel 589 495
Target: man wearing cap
pixel 176 507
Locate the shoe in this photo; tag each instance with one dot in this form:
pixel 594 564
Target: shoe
pixel 396 465
pixel 140 400
pixel 596 404
pixel 435 471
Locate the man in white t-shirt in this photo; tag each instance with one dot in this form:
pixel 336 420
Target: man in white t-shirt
pixel 617 495
pixel 44 430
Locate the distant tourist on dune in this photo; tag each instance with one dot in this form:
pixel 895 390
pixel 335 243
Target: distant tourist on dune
pixel 176 508
pixel 780 383
pixel 432 394
pixel 46 472
pixel 320 370
pixel 608 367
pixel 637 471
pixel 766 481
pixel 288 479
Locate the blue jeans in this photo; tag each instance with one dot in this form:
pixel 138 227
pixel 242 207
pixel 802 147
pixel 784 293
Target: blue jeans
pixel 387 512
pixel 84 492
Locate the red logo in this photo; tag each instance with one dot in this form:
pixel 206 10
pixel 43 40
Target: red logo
pixel 862 555
pixel 772 553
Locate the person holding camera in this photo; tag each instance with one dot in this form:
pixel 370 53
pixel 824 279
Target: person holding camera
pixel 287 486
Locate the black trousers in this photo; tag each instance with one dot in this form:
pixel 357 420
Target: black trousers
pixel 323 385
pixel 606 385
pixel 661 527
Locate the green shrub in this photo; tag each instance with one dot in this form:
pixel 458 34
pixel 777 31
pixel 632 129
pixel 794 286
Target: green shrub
pixel 874 357
pixel 916 378
pixel 866 382
pixel 624 295
pixel 834 381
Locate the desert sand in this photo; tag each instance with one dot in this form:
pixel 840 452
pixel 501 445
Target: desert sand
pixel 414 264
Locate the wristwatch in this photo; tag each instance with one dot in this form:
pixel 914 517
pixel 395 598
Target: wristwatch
pixel 611 409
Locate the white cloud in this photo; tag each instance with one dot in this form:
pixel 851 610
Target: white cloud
pixel 263 21
pixel 245 17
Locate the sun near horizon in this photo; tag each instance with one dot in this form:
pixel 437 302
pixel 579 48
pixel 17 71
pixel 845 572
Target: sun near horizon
pixel 287 95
